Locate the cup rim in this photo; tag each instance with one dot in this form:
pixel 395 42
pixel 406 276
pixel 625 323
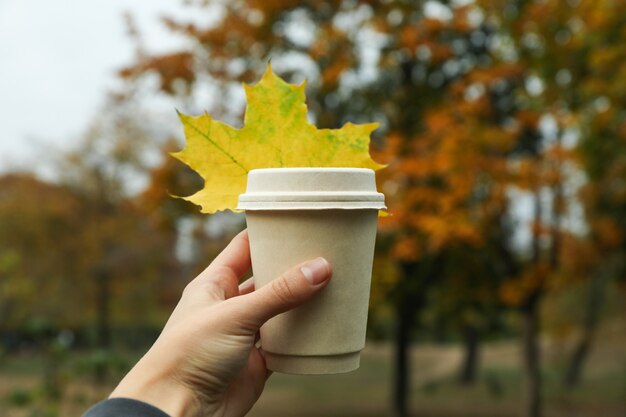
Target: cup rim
pixel 270 192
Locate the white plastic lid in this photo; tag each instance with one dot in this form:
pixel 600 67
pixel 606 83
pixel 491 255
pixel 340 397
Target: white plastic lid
pixel 311 188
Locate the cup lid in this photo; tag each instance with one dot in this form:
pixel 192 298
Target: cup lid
pixel 311 188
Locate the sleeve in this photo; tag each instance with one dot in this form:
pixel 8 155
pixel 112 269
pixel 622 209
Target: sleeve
pixel 124 407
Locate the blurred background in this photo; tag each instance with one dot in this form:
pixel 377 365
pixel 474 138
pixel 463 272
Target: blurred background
pixel 499 279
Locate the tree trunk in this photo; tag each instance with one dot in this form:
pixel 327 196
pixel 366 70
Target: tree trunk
pixel 103 309
pixel 404 323
pixel 103 323
pixel 531 368
pixel 411 299
pixel 592 316
pixel 576 363
pixel 469 366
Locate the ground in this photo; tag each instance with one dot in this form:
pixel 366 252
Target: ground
pixel 366 392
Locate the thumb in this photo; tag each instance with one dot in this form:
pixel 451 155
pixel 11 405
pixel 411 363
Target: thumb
pixel 291 289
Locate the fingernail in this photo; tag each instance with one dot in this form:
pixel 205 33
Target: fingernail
pixel 316 271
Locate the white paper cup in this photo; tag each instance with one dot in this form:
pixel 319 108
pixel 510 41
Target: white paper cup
pixel 297 214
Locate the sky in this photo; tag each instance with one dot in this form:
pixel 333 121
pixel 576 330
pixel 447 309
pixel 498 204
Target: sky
pixel 57 60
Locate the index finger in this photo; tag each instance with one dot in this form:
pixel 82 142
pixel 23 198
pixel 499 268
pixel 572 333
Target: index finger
pixel 221 278
pixel 236 256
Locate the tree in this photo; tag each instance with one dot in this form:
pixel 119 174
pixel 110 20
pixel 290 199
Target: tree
pixel 569 52
pixel 125 251
pixel 54 248
pixel 85 238
pixel 600 105
pixel 33 215
pixel 464 93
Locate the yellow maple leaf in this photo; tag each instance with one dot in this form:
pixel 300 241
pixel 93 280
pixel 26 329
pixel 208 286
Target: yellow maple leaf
pixel 276 134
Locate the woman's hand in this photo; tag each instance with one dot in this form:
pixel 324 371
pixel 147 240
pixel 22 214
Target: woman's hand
pixel 205 362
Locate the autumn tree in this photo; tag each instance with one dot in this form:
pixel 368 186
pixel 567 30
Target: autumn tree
pixel 464 93
pixel 13 289
pixel 125 252
pixel 598 101
pixel 570 53
pixel 34 218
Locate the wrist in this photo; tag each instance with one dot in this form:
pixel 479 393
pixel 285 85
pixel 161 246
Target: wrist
pixel 161 391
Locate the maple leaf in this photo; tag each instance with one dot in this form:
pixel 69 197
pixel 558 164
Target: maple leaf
pixel 276 134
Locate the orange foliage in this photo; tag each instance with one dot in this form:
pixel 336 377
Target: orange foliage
pixel 171 68
pixel 534 278
pixel 607 233
pixel 406 249
pixel 453 150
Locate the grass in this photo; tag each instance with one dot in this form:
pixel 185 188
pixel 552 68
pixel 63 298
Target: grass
pixel 365 392
pixel 436 393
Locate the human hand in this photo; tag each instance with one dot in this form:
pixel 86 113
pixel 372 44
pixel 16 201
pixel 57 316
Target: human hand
pixel 205 362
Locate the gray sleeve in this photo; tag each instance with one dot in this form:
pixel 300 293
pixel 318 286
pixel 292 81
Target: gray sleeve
pixel 124 407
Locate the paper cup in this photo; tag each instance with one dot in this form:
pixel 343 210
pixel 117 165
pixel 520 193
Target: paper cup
pixel 297 214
